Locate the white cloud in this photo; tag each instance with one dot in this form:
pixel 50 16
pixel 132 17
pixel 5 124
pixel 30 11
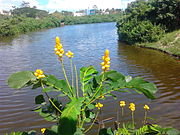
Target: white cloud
pixel 124 3
pixel 7 4
pixel 70 5
pixel 82 4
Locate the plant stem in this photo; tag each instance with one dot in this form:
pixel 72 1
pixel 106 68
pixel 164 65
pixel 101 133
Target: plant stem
pixel 133 119
pixel 55 105
pixel 50 99
pixel 122 111
pixel 77 89
pixel 92 123
pixel 92 100
pixel 83 119
pixel 72 72
pixel 145 117
pixel 65 75
pixel 117 115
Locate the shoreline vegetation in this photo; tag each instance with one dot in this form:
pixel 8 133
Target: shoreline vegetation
pixel 153 24
pixel 25 19
pixel 169 44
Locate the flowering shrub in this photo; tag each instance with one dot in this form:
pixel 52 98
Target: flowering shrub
pixel 84 102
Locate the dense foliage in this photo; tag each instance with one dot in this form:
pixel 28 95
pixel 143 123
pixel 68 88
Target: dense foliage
pixel 159 15
pixel 140 31
pixel 15 25
pixel 69 20
pixel 25 19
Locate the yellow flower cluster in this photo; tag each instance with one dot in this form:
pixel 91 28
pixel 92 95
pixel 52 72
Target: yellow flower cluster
pixel 132 107
pixel 39 74
pixel 99 105
pixel 59 48
pixel 70 54
pixel 43 130
pixel 122 103
pixel 106 63
pixel 146 107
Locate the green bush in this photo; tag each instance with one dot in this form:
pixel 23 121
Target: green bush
pixel 15 25
pixel 134 31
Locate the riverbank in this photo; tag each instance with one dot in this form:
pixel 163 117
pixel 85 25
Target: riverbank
pixel 170 44
pixel 13 26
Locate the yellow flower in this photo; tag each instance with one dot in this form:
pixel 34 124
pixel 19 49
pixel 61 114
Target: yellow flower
pixel 106 63
pixel 132 107
pixel 101 96
pixel 58 40
pixel 99 105
pixel 39 74
pixel 69 54
pixel 122 103
pixel 58 48
pixel 132 104
pixel 146 107
pixel 43 130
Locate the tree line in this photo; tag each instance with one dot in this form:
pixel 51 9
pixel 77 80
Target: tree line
pixel 147 21
pixel 25 18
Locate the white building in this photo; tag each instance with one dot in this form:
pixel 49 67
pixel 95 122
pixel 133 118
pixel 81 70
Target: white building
pixel 79 14
pixel 4 12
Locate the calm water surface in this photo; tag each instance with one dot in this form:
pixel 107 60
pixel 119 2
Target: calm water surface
pixel 88 42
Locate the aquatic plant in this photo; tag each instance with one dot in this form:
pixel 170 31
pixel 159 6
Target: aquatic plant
pixel 84 102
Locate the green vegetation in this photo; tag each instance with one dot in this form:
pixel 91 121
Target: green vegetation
pixel 69 20
pixel 85 93
pixel 147 21
pixel 16 25
pixel 140 31
pixel 170 43
pixel 25 19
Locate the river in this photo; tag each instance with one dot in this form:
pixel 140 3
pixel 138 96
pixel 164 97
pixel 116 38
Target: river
pixel 88 41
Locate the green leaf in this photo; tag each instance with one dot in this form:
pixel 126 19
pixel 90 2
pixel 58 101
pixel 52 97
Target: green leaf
pixel 105 131
pixel 149 86
pixel 148 89
pixel 86 73
pixel 20 79
pixel 22 133
pixel 54 128
pixel 128 78
pixel 173 131
pixel 69 116
pixel 60 85
pixel 47 89
pixel 114 75
pixel 39 99
pixel 36 85
pixel 91 106
pixel 114 96
pixel 92 115
pixel 87 120
pixel 50 132
pixel 79 131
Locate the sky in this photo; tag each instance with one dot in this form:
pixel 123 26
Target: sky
pixel 68 5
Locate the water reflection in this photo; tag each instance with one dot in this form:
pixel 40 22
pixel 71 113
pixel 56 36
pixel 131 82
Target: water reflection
pixel 164 72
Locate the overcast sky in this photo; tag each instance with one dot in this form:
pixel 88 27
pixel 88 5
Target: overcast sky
pixel 70 5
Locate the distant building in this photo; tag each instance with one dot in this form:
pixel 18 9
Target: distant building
pixel 105 12
pixel 79 14
pixel 92 12
pixel 4 12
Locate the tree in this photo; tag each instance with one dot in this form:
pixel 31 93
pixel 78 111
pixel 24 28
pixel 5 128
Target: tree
pixel 25 4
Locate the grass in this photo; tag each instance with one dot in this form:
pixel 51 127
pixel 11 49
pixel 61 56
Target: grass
pixel 170 43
